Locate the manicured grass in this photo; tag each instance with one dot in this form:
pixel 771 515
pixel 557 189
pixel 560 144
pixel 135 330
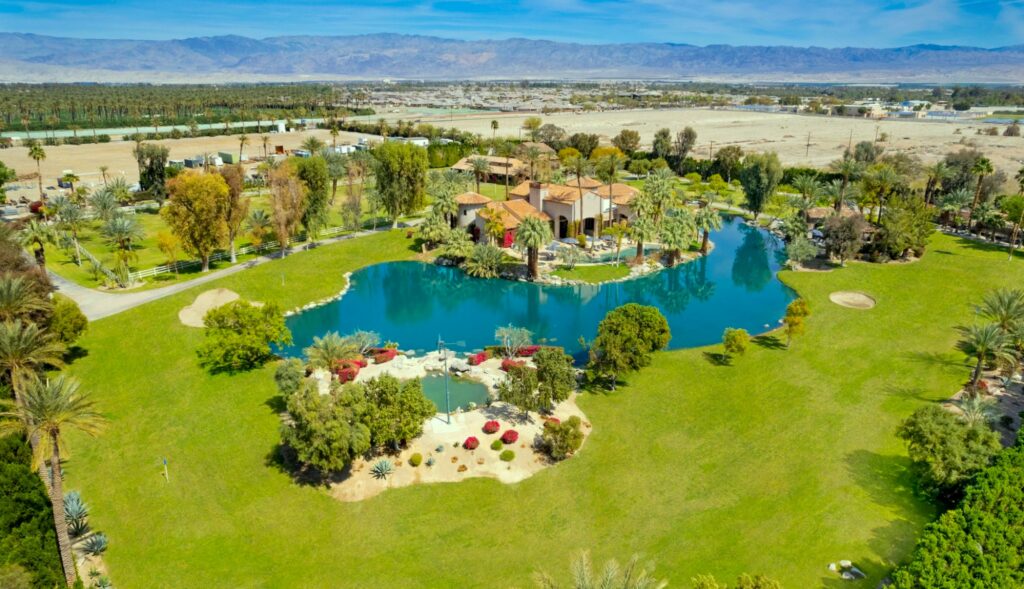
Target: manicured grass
pixel 780 463
pixel 595 273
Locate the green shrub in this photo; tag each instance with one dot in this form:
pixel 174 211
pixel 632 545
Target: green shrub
pixel 735 341
pixel 497 445
pixel 507 456
pixel 27 537
pixel 416 459
pixel 288 376
pixel 239 334
pixel 562 439
pixel 68 322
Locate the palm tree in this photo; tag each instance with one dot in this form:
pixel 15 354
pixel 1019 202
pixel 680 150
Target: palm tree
pixel 260 225
pixel 849 169
pixel 951 203
pixel 70 178
pixel 677 233
pixel 532 234
pixel 707 220
pixel 25 349
pixel 532 157
pixel 121 233
pixel 1020 180
pixel 494 229
pixel 330 349
pixel 1004 307
pixel 19 298
pixel 981 168
pixel 632 576
pixel 494 129
pixel 312 145
pixel 49 408
pixel 480 167
pixel 334 135
pixel 936 174
pixel 504 149
pixel 103 173
pixel 810 189
pixel 37 153
pixel 70 220
pixel 986 343
pixel 883 180
pixel 37 234
pixel 243 140
pixel 607 168
pixel 977 411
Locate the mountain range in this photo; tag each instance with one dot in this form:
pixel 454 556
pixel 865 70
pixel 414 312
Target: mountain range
pixel 40 58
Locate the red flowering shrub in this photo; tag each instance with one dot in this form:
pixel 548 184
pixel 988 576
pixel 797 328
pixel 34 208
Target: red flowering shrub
pixel 471 443
pixel 385 355
pixel 478 358
pixel 36 207
pixel 491 427
pixel 510 436
pixel 553 420
pixel 347 374
pixel 528 351
pixel 509 363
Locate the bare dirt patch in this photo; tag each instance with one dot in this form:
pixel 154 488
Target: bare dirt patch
pixel 192 315
pixel 852 300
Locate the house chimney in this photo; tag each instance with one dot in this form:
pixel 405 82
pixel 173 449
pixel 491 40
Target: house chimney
pixel 538 192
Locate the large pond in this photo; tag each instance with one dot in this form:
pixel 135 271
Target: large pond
pixel 414 303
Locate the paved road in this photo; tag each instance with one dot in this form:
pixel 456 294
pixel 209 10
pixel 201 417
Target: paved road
pixel 98 304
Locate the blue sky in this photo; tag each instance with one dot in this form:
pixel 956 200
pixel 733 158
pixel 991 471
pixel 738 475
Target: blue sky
pixel 826 23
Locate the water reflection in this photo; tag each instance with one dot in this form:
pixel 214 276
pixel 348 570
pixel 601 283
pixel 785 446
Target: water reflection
pixel 412 303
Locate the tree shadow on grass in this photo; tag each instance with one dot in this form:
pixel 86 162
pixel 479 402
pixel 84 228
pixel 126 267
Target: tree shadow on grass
pixel 74 354
pixel 889 481
pixel 769 342
pixel 718 359
pixel 276 404
pixel 283 459
pixel 934 359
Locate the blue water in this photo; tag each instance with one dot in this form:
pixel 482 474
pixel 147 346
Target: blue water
pixel 412 303
pixel 461 391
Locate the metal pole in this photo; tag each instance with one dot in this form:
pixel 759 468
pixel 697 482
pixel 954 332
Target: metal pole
pixel 447 399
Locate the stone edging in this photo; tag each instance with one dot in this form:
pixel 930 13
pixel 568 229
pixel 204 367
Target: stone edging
pixel 322 302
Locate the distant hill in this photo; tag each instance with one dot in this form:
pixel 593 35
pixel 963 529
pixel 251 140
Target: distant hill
pixel 27 57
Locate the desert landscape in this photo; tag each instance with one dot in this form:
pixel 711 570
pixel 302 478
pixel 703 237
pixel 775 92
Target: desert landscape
pixel 786 134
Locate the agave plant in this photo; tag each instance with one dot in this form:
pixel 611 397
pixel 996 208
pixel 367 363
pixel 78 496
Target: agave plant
pixel 103 583
pixel 96 544
pixel 382 469
pixel 76 512
pixel 430 461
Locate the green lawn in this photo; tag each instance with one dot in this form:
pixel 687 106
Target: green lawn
pixel 781 463
pixel 595 273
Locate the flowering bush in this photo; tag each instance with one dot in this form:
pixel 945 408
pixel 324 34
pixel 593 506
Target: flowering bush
pixel 553 420
pixel 471 443
pixel 347 374
pixel 491 427
pixel 510 436
pixel 385 355
pixel 508 363
pixel 528 351
pixel 477 358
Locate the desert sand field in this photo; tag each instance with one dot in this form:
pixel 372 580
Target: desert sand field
pixel 786 134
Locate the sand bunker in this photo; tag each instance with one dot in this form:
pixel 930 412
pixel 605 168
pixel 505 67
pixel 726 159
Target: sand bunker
pixel 853 300
pixel 193 314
